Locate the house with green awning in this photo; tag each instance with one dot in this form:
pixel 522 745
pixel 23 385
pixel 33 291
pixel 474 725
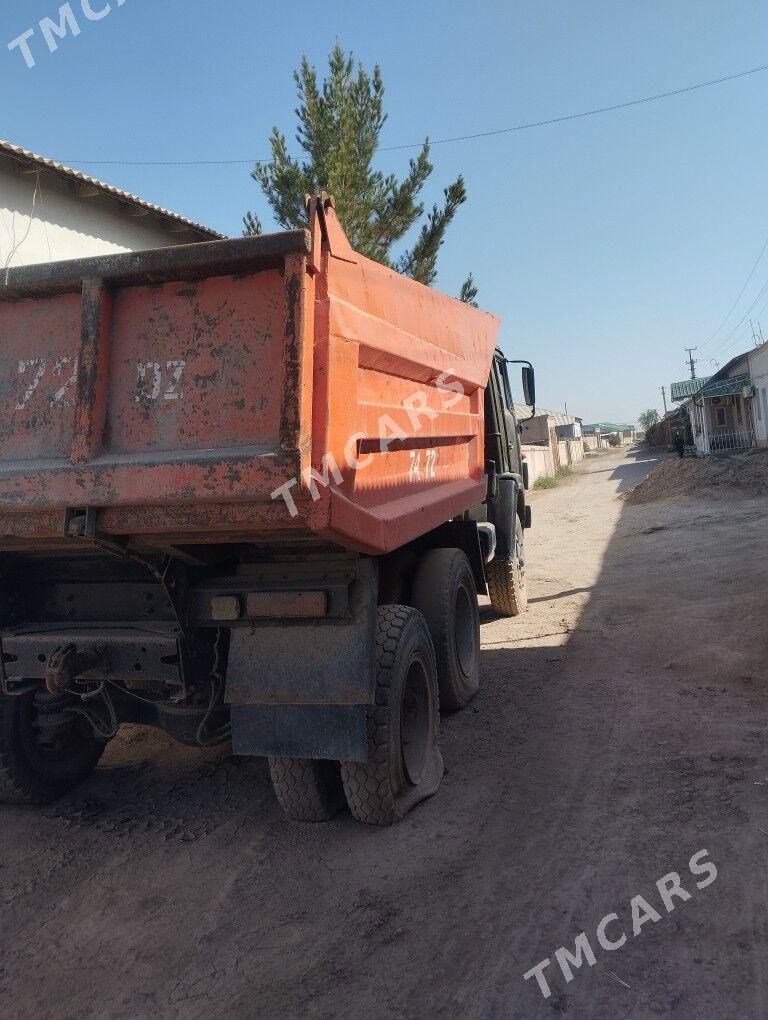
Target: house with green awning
pixel 721 407
pixel 596 435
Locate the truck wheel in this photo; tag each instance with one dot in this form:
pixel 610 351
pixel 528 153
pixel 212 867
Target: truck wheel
pixel 404 762
pixel 506 578
pixel 445 592
pixel 35 769
pixel 308 790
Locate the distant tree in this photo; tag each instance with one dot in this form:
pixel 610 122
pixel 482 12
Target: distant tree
pixel 340 122
pixel 648 419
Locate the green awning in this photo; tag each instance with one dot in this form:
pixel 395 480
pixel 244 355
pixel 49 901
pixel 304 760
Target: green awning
pixel 727 387
pixel 687 388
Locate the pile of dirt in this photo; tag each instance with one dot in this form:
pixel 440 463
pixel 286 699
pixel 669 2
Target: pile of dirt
pixel 746 473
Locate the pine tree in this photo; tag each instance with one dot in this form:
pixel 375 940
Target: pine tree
pixel 340 122
pixel 468 291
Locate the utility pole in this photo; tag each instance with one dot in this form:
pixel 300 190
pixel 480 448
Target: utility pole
pixel 691 362
pixel 664 397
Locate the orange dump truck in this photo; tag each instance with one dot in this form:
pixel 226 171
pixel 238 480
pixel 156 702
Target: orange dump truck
pixel 249 492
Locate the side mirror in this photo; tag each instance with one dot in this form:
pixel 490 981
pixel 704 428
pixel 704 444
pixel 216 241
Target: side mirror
pixel 529 385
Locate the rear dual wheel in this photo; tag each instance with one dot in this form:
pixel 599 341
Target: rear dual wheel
pixel 40 763
pixel 307 790
pixel 404 764
pixel 444 590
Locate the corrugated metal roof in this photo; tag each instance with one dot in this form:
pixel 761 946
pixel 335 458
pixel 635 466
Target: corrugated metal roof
pixel 25 156
pixel 606 426
pixel 685 389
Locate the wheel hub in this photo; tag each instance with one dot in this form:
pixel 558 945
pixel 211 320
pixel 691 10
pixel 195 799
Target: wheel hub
pixel 415 722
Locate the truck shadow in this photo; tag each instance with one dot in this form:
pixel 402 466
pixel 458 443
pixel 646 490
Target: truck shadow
pixel 616 751
pixel 598 756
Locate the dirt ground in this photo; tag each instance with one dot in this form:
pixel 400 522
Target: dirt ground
pixel 620 728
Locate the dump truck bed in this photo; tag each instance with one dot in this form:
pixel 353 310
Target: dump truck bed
pixel 207 394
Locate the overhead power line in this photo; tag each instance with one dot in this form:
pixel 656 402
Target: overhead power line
pixel 587 113
pixel 738 297
pixel 728 342
pixel 445 141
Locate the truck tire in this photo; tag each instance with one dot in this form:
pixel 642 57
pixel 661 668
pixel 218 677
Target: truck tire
pixel 404 763
pixel 444 591
pixel 307 790
pixel 30 771
pixel 505 576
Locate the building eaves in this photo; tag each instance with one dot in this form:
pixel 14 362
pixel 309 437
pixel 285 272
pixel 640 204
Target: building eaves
pixel 34 161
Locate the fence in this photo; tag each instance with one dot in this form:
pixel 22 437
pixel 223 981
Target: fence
pixel 733 439
pixel 543 459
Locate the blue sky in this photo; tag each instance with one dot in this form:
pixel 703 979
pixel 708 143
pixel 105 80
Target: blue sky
pixel 607 245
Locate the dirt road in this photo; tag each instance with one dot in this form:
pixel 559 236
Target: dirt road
pixel 620 729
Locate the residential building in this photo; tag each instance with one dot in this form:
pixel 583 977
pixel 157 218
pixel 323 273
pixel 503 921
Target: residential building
pixel 50 212
pixel 726 409
pixel 596 435
pixel 550 440
pixel 758 375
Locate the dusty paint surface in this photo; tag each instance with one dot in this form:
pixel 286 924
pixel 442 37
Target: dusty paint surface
pixel 142 388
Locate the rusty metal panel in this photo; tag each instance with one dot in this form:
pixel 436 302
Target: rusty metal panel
pixel 39 344
pixel 197 366
pixel 123 652
pixel 172 392
pixel 129 394
pixel 395 359
pixel 158 265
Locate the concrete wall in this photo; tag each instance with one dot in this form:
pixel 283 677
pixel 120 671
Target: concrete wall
pixel 539 460
pixel 571 451
pixel 66 226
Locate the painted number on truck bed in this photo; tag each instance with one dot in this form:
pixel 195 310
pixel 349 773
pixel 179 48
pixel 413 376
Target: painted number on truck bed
pixel 423 465
pixel 158 381
pixel 59 374
pixel 54 380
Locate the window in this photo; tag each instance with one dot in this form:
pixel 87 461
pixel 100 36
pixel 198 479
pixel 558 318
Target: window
pixel 757 407
pixel 720 417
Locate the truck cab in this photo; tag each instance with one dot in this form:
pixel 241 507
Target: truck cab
pixel 505 509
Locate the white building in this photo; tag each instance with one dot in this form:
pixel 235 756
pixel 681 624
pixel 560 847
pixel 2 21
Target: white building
pixel 50 212
pixel 758 373
pixel 728 409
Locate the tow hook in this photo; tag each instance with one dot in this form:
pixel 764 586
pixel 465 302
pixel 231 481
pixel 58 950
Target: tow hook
pixel 67 663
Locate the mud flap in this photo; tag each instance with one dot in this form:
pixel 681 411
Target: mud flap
pixel 334 732
pixel 301 688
